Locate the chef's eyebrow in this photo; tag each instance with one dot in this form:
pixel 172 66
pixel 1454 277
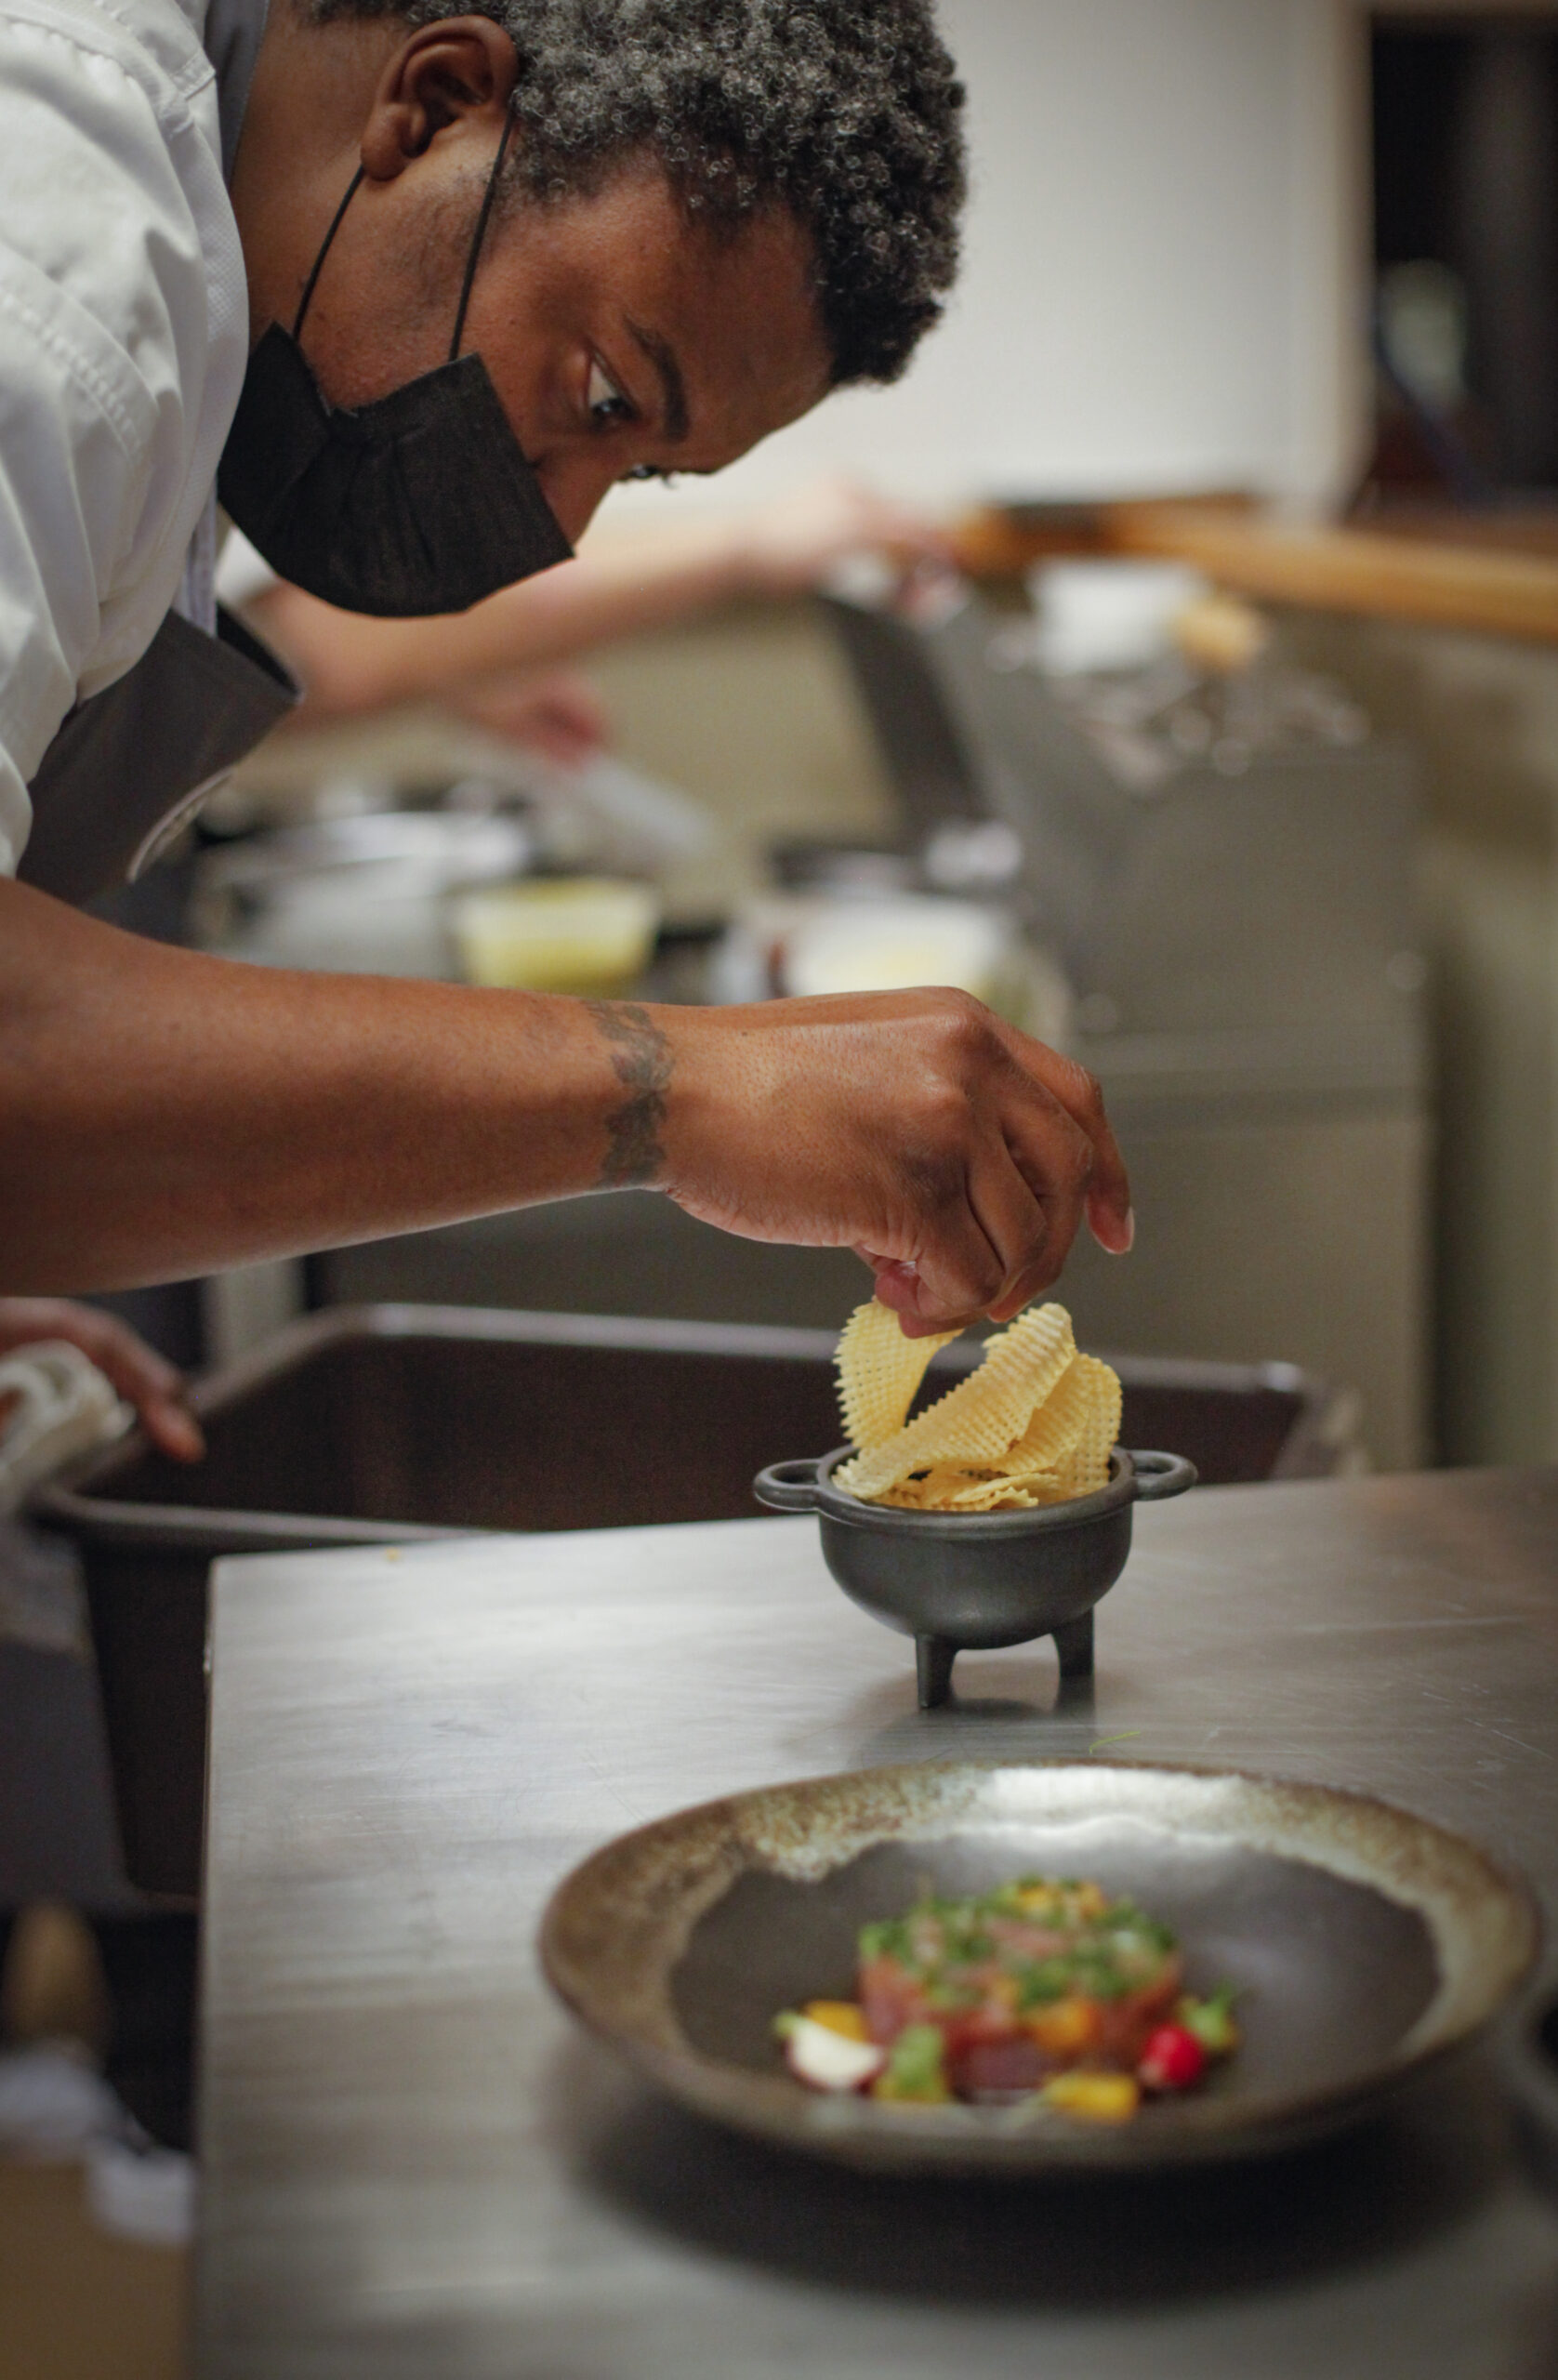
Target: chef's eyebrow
pixel 673 388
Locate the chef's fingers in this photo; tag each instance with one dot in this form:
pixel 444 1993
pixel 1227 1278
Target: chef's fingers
pixel 919 1311
pixel 1032 1198
pixel 142 1378
pixel 955 1269
pixel 989 1244
pixel 1072 1088
pixel 1031 1223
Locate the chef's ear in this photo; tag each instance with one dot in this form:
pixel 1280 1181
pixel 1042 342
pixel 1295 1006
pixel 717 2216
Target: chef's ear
pixel 459 67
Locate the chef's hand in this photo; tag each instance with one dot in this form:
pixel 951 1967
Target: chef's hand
pixel 953 1153
pixel 141 1377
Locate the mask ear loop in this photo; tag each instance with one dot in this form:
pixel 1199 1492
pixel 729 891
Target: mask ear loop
pixel 319 261
pixel 480 235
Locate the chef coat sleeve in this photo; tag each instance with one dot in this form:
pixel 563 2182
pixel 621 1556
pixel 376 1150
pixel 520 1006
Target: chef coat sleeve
pixel 122 343
pixel 71 470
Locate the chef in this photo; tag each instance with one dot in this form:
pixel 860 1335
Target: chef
pixel 410 291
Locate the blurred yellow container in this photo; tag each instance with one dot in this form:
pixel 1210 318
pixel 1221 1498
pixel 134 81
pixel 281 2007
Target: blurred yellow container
pixel 578 933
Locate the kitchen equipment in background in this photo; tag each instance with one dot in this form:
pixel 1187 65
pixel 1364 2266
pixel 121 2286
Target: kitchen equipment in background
pixel 1109 614
pixel 974 1582
pixel 361 894
pixel 1205 683
pixel 376 890
pixel 583 934
pixel 377 1424
pixel 610 815
pixel 1243 951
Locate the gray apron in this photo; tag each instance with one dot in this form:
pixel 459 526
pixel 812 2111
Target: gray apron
pixel 130 766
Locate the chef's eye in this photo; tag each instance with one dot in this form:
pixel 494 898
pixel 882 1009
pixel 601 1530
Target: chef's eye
pixel 607 404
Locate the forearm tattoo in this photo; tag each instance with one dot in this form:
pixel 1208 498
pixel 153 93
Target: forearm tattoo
pixel 641 1062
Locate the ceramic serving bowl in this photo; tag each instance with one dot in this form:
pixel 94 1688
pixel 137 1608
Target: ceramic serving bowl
pixel 1364 1943
pixel 1530 2061
pixel 972 1581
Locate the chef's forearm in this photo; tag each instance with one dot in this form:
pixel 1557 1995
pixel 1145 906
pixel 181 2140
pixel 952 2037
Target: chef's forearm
pixel 162 1113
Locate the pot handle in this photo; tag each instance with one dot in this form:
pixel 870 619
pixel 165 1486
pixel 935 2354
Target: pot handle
pixel 1158 1475
pixel 788 1487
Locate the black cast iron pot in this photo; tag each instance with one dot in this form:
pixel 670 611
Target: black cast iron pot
pixel 971 1582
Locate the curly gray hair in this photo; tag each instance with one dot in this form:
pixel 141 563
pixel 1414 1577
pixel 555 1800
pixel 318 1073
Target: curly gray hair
pixel 849 112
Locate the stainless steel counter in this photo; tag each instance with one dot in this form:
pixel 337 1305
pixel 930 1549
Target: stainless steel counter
pixel 416 2168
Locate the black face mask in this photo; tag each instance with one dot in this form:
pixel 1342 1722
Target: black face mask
pixel 419 502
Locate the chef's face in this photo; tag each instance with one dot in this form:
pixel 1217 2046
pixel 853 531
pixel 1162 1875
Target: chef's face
pixel 618 339
pixel 621 337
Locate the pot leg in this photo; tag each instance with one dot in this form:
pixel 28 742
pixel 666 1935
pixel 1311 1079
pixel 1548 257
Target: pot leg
pixel 1074 1643
pixel 934 1659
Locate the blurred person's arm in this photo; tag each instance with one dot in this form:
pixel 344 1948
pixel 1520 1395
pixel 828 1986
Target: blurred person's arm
pixel 617 586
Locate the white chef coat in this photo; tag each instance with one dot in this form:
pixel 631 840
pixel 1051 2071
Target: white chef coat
pixel 124 337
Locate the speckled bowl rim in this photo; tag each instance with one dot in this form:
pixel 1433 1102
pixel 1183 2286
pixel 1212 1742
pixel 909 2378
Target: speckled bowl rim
pixel 970 2141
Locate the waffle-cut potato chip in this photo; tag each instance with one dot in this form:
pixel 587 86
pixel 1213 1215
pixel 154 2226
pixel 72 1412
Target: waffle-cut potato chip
pixel 1086 1468
pixel 929 1490
pixel 878 1373
pixel 999 1495
pixel 1034 1488
pixel 984 1415
pixel 1034 1425
pixel 1058 1424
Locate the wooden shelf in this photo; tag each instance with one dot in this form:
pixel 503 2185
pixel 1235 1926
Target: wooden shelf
pixel 1497 590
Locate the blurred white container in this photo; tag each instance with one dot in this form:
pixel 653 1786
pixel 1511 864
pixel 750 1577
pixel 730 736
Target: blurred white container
pixel 807 946
pixel 583 934
pixel 1109 614
pixel 896 944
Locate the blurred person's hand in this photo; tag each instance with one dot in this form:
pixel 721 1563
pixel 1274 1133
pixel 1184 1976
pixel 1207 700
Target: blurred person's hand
pixel 790 544
pixel 953 1153
pixel 558 715
pixel 141 1377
